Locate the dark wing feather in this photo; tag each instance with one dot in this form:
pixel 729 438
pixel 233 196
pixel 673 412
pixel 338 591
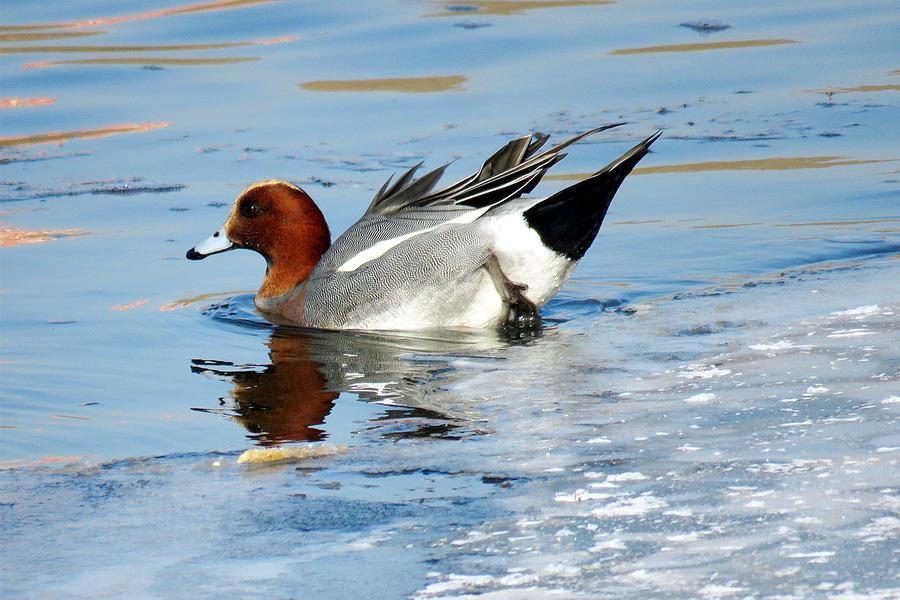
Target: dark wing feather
pixel 512 171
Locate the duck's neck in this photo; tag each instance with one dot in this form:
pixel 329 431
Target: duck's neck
pixel 293 259
pixel 282 278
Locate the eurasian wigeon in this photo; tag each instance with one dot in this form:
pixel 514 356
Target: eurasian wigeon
pixel 476 254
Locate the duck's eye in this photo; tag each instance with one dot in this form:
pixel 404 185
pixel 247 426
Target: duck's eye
pixel 250 209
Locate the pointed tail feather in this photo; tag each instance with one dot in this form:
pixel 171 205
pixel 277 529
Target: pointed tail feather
pixel 516 162
pixel 505 159
pixel 569 220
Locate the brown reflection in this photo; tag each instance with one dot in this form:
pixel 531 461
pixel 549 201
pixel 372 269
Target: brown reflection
pixel 409 85
pixel 143 60
pixel 702 46
pixel 25 102
pixel 141 48
pixel 726 225
pixel 887 87
pixel 61 136
pixel 837 223
pixel 130 305
pixel 777 163
pixel 144 16
pixel 44 36
pixel 285 400
pixel 289 399
pixel 493 7
pixel 14 236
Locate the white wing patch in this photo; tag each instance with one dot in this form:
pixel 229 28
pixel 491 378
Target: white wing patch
pixel 380 248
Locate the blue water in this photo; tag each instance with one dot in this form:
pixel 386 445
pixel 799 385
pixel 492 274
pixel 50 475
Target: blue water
pixel 127 371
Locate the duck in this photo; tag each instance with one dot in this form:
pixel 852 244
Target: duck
pixel 481 253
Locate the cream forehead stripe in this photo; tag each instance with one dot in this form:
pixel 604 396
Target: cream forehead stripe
pixel 377 250
pixel 258 184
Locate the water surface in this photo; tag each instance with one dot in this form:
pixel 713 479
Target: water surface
pixel 711 410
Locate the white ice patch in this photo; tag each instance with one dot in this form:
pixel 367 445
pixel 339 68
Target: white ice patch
pixel 695 371
pixel 613 544
pixel 514 579
pixel 779 345
pixel 629 476
pixel 600 440
pixel 562 570
pixel 860 311
pixel 629 507
pixel 719 591
pixel 881 529
pixel 580 495
pixel 700 398
pixel 688 448
pixel 455 583
pixel 682 538
pixel 845 333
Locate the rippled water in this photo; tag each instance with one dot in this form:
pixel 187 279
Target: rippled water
pixel 711 410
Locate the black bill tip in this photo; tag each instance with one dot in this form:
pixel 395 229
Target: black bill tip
pixel 194 255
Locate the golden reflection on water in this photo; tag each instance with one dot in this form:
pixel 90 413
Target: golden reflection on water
pixel 61 136
pixel 726 225
pixel 130 305
pixel 160 48
pixel 408 85
pixel 143 48
pixel 836 223
pixel 778 163
pixel 25 102
pixel 887 87
pixel 143 60
pixel 702 46
pixel 513 7
pixel 144 16
pixel 43 36
pixel 618 284
pixel 15 236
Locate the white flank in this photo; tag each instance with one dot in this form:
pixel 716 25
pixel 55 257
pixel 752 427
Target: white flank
pixel 377 250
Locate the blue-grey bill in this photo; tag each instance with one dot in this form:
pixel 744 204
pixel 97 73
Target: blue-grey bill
pixel 214 244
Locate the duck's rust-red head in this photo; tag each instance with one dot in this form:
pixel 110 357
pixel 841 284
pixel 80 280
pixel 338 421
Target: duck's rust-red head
pixel 281 222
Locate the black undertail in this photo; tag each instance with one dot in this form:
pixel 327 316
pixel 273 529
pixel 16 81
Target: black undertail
pixel 569 220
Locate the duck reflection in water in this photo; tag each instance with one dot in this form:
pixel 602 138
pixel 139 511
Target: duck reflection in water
pixel 289 399
pixel 279 402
